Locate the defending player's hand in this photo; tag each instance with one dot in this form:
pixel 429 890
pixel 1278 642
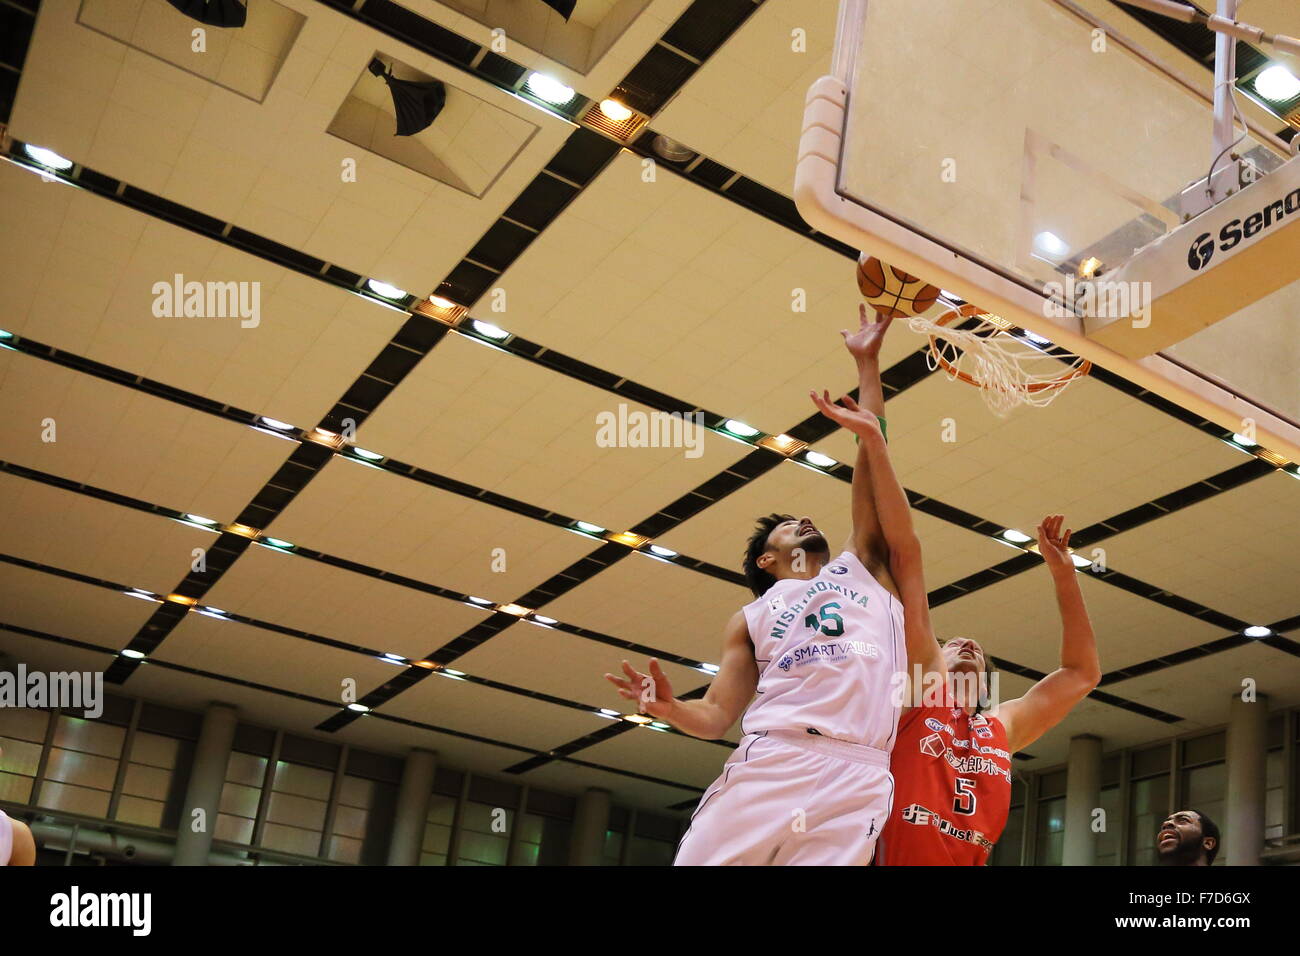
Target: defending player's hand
pixel 653 691
pixel 1053 545
pixel 849 415
pixel 866 341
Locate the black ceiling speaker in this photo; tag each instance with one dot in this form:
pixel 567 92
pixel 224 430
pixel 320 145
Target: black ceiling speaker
pixel 563 7
pixel 417 105
pixel 215 13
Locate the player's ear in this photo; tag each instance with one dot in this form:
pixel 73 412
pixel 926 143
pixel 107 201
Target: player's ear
pixel 765 560
pixel 1209 843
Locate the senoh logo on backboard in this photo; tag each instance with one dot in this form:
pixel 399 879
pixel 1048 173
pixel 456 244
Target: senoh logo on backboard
pixel 1234 231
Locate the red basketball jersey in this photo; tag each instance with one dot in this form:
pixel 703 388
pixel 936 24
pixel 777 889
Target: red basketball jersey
pixel 952 771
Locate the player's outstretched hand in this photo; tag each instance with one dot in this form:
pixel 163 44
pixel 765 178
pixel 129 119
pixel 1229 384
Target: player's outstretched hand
pixel 849 415
pixel 866 341
pixel 1053 545
pixel 653 691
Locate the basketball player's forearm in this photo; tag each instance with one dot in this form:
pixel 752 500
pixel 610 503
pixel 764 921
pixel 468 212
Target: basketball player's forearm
pixel 1078 642
pixel 870 394
pixel 699 718
pixel 891 506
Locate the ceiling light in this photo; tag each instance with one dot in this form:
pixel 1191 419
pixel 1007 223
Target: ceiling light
pixel 818 459
pixel 637 719
pixel 615 110
pixel 277 543
pixel 1016 537
pixel 427 665
pixel 1080 561
pixel 142 595
pixel 671 150
pixel 1036 338
pixel 134 655
pixel 393 659
pixel 442 303
pixel 783 444
pixel 609 713
pixel 662 552
pixel 1293 471
pixel 1277 83
pixel 384 289
pixel 453 673
pixel 1257 631
pixel 740 428
pixel 212 612
pixel 1051 244
pixel 515 609
pixel 489 330
pixel 952 296
pixel 629 538
pixel 182 599
pixel 659 725
pixel 1243 441
pixel 549 89
pixel 367 455
pixel 483 602
pixel 276 424
pixel 359 708
pixel 199 519
pixel 709 668
pixel 49 158
pixel 543 619
pixel 588 527
pixel 243 530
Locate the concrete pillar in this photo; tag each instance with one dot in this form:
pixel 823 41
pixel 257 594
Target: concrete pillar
pixel 1082 797
pixel 207 778
pixel 1243 830
pixel 412 811
pixel 587 847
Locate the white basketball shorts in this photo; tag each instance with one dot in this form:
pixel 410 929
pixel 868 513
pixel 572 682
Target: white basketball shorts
pixel 792 798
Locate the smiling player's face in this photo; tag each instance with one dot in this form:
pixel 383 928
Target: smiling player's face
pixel 797 533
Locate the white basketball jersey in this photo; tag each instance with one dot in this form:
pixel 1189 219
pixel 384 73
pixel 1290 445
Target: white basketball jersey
pixel 827 651
pixel 6 839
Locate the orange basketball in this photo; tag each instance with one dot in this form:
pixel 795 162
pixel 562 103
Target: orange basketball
pixel 892 291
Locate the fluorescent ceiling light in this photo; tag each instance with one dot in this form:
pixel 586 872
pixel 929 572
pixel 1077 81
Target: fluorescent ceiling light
pixel 1277 83
pixel 276 424
pixel 662 552
pixel 588 527
pixel 368 455
pixel 489 330
pixel 740 428
pixel 549 89
pixel 818 459
pixel 384 289
pixel 52 160
pixel 359 708
pixel 134 655
pixel 1016 537
pixel 1256 630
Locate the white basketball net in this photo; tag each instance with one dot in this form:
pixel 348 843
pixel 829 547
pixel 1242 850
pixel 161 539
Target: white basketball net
pixel 1008 371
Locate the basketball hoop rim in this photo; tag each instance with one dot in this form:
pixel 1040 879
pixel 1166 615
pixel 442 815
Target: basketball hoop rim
pixel 968 311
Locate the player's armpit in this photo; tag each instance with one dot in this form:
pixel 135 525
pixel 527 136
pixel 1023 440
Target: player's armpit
pixel 1044 706
pixel 732 689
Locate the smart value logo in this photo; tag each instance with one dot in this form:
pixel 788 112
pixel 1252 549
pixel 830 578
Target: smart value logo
pixel 1233 232
pixel 75 909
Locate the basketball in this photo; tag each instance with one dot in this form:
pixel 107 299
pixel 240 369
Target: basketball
pixel 892 291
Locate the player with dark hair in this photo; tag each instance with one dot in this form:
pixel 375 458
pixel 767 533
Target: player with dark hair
pixel 817 651
pixel 1187 838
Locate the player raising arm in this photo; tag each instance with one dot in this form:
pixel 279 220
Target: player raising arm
pixel 952 762
pixel 809 782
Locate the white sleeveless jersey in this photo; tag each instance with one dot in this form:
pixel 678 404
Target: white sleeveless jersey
pixel 827 651
pixel 6 839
